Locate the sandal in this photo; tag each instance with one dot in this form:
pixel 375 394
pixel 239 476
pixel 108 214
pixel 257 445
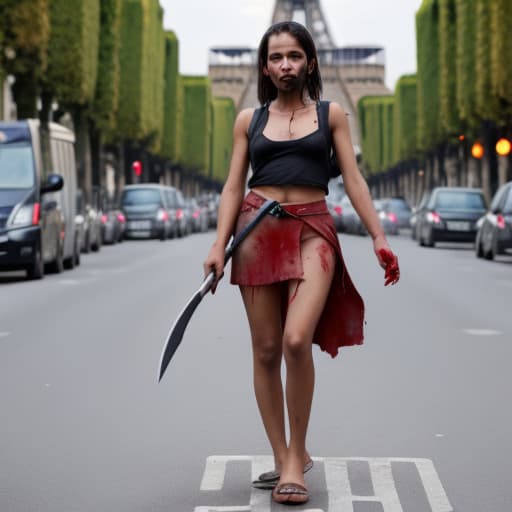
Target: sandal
pixel 290 494
pixel 269 479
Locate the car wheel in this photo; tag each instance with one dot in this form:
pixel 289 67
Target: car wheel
pixel 36 269
pixel 478 249
pixel 87 244
pixel 430 242
pixel 57 265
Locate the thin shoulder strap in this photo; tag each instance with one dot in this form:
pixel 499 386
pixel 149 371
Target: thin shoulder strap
pixel 323 114
pixel 257 118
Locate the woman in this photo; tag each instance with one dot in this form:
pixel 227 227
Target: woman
pixel 294 285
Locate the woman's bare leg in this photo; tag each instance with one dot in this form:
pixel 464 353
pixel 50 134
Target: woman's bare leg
pixel 306 302
pixel 263 307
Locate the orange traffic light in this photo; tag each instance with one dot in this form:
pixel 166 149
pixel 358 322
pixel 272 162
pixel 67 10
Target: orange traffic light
pixel 477 150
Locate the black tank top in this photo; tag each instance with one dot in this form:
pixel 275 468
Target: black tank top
pixel 303 161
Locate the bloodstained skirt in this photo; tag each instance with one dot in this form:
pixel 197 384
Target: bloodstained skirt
pixel 271 253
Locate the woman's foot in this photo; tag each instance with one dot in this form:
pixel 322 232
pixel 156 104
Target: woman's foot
pixel 269 479
pixel 290 494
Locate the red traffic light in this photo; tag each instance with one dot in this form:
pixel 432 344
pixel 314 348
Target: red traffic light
pixel 137 168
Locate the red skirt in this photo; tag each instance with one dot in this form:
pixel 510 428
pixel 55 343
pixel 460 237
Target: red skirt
pixel 271 254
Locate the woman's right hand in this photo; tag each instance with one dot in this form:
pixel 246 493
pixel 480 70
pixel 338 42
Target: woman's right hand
pixel 215 262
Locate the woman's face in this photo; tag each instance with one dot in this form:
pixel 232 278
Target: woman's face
pixel 287 64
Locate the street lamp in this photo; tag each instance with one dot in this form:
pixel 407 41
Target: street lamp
pixel 477 150
pixel 503 147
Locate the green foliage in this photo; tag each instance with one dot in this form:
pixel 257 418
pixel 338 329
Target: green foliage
pixel 427 38
pixel 501 50
pixel 223 112
pixel 153 66
pixel 388 103
pixel 172 92
pixel 449 117
pixel 25 28
pixel 73 51
pixel 487 105
pixel 404 121
pixel 140 115
pixel 376 122
pixel 196 123
pixel 465 62
pixel 107 86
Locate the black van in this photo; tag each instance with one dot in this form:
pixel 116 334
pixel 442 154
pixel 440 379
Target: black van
pixel 33 214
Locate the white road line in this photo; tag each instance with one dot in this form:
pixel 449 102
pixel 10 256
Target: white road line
pixel 482 332
pixel 337 479
pixel 384 485
pixel 4 334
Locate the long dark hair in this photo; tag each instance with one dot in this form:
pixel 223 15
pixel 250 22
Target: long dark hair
pixel 267 91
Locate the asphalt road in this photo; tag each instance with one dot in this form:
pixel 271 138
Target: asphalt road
pixel 418 419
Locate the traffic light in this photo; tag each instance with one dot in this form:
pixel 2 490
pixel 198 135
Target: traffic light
pixel 137 168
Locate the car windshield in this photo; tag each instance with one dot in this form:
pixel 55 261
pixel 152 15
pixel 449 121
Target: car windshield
pixel 398 205
pixel 455 200
pixel 138 196
pixel 16 166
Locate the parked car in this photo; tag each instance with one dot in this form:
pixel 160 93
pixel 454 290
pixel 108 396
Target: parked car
pixel 112 226
pixel 387 219
pixel 494 235
pixel 89 217
pixel 177 212
pixel 350 220
pixel 415 214
pixel 197 214
pixel 450 215
pixel 333 200
pixel 144 206
pixel 397 209
pixel 37 204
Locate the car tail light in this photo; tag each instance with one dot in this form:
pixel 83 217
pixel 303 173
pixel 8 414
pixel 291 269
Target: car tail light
pixel 338 209
pixel 179 213
pixel 195 215
pixel 162 214
pixel 500 221
pixel 121 218
pixel 392 217
pixel 36 211
pixel 434 217
pixel 103 219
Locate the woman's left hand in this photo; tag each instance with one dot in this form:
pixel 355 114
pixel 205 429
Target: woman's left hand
pixel 387 260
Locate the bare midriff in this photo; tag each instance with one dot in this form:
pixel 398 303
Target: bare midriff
pixel 290 194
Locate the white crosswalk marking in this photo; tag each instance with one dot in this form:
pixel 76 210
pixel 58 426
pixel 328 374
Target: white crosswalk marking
pixel 337 479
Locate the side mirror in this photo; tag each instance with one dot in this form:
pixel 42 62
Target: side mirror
pixel 53 183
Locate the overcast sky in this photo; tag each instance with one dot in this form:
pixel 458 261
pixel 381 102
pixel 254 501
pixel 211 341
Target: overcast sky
pixel 201 24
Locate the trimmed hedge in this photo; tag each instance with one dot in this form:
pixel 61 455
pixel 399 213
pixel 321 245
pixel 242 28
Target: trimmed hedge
pixel 141 95
pixel 501 50
pixel 404 121
pixel 196 123
pixel 223 114
pixel 487 106
pixel 448 114
pixel 106 98
pixel 73 50
pixel 427 39
pixel 172 99
pixel 465 63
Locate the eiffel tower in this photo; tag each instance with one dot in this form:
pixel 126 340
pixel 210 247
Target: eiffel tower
pixel 347 72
